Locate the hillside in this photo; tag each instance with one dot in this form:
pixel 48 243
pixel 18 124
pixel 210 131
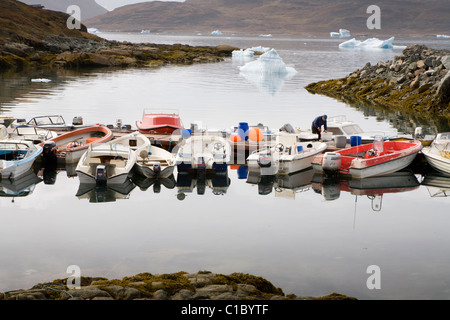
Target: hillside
pixel 33 38
pixel 89 8
pixel 277 16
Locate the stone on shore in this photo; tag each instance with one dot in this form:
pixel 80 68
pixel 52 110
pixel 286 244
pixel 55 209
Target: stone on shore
pixel 203 285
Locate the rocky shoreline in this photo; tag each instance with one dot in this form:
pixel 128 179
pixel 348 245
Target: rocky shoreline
pixel 416 83
pixel 203 285
pixel 62 52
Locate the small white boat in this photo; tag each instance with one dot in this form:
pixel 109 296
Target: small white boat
pixel 35 134
pixel 287 156
pixel 109 163
pixel 203 152
pixel 17 157
pixel 51 122
pixel 438 153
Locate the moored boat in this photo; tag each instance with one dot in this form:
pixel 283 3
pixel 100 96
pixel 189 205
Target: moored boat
pixel 108 163
pixel 69 147
pixel 203 152
pixel 17 157
pixel 366 160
pixel 164 122
pixel 438 153
pixel 287 156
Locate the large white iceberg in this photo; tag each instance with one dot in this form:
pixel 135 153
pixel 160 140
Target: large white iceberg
pixel 371 43
pixel 269 62
pixel 343 33
pixel 268 72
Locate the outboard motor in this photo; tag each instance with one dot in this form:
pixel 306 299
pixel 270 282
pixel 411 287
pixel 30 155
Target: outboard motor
pixel 77 121
pixel 157 168
pixel 331 163
pixel 201 165
pixel 100 174
pixel 49 151
pixel 265 159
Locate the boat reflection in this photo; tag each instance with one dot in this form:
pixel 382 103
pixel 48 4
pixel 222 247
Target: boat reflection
pixel 186 183
pixel 372 187
pixel 21 187
pixel 105 193
pixel 144 183
pixel 285 186
pixel 437 183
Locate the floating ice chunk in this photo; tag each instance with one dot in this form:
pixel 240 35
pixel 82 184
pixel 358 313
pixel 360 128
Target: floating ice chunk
pixel 247 53
pixel 265 35
pixel 269 62
pixel 442 36
pixel 145 31
pixel 371 43
pixel 216 33
pixel 343 33
pixel 93 30
pixel 259 49
pixel 41 80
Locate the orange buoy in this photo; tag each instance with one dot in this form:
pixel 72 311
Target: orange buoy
pixel 235 137
pixel 256 134
pixel 234 166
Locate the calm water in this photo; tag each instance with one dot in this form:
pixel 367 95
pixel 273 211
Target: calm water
pixel 307 237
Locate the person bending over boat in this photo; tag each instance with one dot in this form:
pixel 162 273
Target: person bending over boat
pixel 316 126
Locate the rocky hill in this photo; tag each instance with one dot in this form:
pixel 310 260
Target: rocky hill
pixel 416 83
pixel 37 38
pixel 412 17
pixel 89 8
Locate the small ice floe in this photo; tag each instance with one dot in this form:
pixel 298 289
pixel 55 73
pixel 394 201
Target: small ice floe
pixel 343 33
pixel 442 36
pixel 41 80
pixel 265 35
pixel 93 30
pixel 216 33
pixel 371 43
pixel 247 53
pixel 30 272
pixel 259 49
pixel 145 31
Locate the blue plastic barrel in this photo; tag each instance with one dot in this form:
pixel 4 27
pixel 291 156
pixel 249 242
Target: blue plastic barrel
pixel 299 148
pixel 355 141
pixel 242 172
pixel 243 130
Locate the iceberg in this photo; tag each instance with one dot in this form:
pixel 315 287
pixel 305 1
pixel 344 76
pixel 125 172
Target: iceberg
pixel 216 33
pixel 268 72
pixel 93 30
pixel 259 49
pixel 247 53
pixel 269 62
pixel 41 80
pixel 371 43
pixel 343 33
pixel 442 36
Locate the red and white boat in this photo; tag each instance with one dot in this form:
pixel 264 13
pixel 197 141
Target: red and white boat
pixel 164 122
pixel 69 147
pixel 367 160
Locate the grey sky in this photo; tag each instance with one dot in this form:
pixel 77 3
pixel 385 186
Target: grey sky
pixel 112 4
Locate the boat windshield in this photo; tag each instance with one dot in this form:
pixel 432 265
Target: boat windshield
pixel 41 121
pixel 352 129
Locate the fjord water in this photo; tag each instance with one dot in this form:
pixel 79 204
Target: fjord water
pixel 310 239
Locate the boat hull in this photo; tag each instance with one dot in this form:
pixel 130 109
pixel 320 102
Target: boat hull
pixel 148 171
pixel 436 161
pixel 86 178
pixel 17 168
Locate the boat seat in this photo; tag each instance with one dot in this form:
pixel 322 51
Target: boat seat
pixel 94 160
pixel 118 163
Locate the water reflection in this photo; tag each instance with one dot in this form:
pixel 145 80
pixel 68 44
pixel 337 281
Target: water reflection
pixel 186 183
pixel 22 187
pixel 437 184
pixel 285 186
pixel 105 193
pixel 372 187
pixel 156 182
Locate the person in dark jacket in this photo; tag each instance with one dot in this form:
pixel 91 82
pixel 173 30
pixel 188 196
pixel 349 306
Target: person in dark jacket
pixel 316 126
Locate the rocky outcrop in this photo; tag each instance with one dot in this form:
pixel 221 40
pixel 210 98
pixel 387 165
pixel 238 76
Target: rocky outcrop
pixel 203 285
pixel 416 83
pixel 33 38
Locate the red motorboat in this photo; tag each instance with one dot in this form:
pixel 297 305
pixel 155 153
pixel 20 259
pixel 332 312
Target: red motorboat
pixel 159 122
